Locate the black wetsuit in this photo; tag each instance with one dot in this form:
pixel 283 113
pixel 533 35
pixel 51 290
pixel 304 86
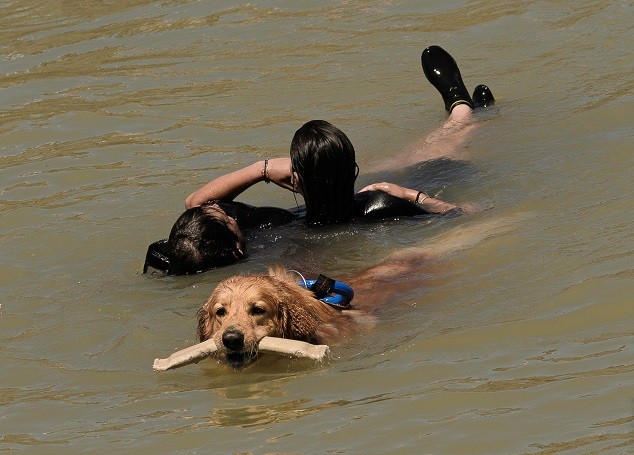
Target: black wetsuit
pixel 374 205
pixel 377 205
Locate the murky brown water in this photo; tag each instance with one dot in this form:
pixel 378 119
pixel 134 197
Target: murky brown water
pixel 112 112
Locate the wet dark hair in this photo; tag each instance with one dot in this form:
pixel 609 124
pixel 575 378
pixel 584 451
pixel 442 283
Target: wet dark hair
pixel 323 158
pixel 200 241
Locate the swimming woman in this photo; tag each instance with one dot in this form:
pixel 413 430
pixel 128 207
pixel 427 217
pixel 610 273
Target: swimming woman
pixel 322 168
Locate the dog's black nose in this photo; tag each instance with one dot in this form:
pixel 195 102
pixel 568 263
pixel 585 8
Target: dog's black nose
pixel 233 340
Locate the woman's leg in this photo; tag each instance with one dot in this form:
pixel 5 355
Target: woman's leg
pixel 444 142
pixel 442 72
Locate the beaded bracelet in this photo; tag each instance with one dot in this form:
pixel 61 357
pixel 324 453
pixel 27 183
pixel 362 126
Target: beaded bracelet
pixel 265 171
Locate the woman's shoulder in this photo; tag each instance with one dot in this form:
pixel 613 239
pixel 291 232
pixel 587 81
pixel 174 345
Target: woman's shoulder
pixel 380 205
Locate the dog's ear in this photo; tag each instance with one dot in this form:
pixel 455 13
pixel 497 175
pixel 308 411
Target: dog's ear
pixel 297 318
pixel 297 323
pixel 205 323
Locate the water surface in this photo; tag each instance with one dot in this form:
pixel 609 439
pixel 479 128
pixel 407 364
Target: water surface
pixel 113 112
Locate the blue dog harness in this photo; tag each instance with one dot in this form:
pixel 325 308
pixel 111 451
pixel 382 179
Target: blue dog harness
pixel 329 291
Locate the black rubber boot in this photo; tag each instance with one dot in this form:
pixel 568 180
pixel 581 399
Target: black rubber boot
pixel 442 72
pixel 482 96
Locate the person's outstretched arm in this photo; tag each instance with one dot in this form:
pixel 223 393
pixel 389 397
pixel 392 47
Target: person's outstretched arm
pixel 430 204
pixel 227 187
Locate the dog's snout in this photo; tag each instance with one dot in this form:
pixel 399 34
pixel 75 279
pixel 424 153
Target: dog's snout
pixel 233 339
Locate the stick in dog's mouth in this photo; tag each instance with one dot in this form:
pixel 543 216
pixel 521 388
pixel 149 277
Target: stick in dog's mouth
pixel 200 351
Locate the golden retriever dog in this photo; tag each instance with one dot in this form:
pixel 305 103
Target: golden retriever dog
pixel 245 308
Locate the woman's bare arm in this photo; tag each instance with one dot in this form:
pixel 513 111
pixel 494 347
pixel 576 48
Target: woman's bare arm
pixel 227 187
pixel 430 204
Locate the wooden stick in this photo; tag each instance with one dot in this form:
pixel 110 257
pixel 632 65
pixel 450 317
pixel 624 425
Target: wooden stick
pixel 192 354
pixel 294 348
pixel 198 352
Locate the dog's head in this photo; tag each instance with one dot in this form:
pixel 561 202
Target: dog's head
pixel 245 308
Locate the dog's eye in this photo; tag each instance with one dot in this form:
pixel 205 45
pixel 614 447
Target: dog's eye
pixel 257 311
pixel 220 312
